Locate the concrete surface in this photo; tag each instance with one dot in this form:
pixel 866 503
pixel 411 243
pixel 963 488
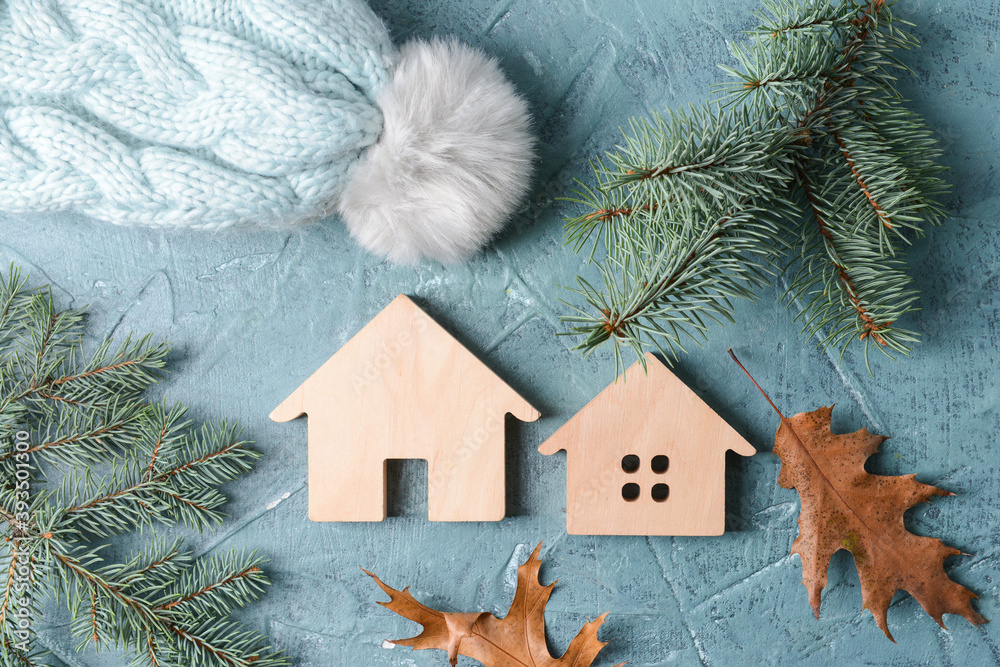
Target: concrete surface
pixel 252 314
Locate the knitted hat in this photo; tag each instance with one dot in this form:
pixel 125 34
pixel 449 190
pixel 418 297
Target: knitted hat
pixel 212 113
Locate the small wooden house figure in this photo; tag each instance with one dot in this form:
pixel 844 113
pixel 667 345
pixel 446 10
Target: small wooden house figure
pixel 646 457
pixel 403 388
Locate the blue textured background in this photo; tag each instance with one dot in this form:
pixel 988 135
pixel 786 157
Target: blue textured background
pixel 252 314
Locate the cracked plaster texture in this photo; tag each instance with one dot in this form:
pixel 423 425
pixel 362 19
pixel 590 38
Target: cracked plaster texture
pixel 253 313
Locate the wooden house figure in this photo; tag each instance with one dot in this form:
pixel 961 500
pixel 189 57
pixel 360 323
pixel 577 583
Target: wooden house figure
pixel 403 388
pixel 646 457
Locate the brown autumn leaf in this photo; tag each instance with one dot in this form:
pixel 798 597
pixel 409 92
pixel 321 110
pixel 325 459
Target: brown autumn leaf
pixel 845 507
pixel 516 640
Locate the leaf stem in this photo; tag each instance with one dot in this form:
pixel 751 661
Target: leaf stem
pixel 763 393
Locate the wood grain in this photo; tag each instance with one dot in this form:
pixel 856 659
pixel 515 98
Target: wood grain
pixel 403 388
pixel 646 416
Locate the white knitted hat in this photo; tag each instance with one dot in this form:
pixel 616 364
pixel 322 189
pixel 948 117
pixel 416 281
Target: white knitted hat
pixel 212 113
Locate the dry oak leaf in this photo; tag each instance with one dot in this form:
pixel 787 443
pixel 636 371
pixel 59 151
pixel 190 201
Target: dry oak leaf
pixel 516 640
pixel 845 507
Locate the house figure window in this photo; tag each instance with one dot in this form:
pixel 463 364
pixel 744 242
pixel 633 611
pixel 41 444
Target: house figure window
pixel 646 456
pixel 631 464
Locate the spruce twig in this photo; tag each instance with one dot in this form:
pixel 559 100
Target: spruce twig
pixel 811 165
pixel 143 465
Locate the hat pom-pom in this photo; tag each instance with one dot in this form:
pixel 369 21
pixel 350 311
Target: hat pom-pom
pixel 452 164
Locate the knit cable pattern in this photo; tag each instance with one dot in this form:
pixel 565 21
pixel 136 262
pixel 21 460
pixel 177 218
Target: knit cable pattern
pixel 194 113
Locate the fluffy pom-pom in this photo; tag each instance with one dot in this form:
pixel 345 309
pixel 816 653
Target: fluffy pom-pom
pixel 453 161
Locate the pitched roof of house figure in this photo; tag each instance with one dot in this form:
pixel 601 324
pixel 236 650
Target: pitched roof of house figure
pixel 403 388
pixel 646 457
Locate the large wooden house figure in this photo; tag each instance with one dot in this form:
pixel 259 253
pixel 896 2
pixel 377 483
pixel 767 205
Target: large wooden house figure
pixel 403 388
pixel 646 457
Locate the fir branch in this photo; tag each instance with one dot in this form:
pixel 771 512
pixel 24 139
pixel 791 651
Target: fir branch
pixel 126 465
pixel 216 586
pixel 162 438
pixel 211 589
pixel 93 619
pixel 783 17
pixel 80 439
pixel 223 644
pixel 13 554
pixel 13 301
pixel 98 585
pixel 189 467
pixel 880 213
pixel 685 235
pixel 122 502
pixel 126 374
pixel 870 325
pixel 16 657
pixel 152 651
pixel 694 210
pixel 51 341
pixel 150 571
pixel 105 379
pixel 874 293
pixel 228 646
pixel 216 454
